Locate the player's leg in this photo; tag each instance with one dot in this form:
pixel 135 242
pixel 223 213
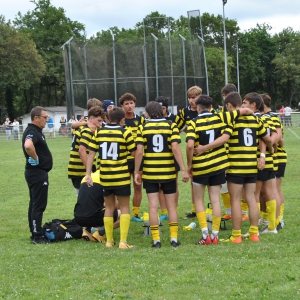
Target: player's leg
pixel 249 188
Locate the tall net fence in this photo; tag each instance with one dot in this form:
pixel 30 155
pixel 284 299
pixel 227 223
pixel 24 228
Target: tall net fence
pixel 158 64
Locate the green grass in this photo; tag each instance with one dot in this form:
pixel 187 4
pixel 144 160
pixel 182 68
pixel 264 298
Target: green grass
pixel 83 270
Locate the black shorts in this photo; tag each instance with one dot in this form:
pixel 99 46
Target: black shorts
pixel 240 179
pixel 131 166
pixel 212 180
pixel 124 190
pixel 168 187
pixel 281 170
pixel 77 181
pixel 94 221
pixel 265 175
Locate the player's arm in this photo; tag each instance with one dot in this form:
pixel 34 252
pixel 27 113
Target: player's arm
pixel 246 111
pixel 223 139
pixel 262 159
pixel 83 154
pixel 189 155
pixel 178 156
pixel 268 141
pixel 137 163
pixel 76 125
pixel 89 165
pixel 30 149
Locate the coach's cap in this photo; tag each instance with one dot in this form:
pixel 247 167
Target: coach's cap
pixel 107 103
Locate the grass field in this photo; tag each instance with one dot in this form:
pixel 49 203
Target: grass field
pixel 84 270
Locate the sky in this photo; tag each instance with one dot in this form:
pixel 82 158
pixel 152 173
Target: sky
pixel 99 15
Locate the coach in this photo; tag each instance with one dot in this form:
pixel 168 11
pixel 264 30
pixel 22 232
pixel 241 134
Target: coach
pixel 38 163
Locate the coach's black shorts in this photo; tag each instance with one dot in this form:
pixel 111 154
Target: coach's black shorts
pixel 240 179
pixel 212 180
pixel 281 170
pixel 265 175
pixel 168 187
pixel 94 221
pixel 124 190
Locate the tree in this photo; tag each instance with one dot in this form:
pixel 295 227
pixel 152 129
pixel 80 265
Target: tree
pixel 257 50
pixel 49 28
pixel 21 65
pixel 287 64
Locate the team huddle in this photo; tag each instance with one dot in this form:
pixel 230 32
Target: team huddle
pixel 236 153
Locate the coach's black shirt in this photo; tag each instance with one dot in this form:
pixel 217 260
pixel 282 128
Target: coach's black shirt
pixel 35 133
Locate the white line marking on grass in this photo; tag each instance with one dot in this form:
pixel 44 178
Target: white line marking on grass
pixel 294 133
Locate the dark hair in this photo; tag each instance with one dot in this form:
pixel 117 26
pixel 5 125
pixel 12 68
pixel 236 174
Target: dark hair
pixel 164 101
pixel 204 101
pixel 116 115
pixel 127 96
pixel 36 111
pixel 96 111
pixel 254 98
pixel 234 99
pixel 93 102
pixel 266 99
pixel 228 88
pixel 154 109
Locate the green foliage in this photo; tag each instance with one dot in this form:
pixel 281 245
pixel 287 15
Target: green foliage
pixel 49 28
pixel 287 64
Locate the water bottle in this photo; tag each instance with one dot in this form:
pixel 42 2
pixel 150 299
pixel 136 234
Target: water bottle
pixel 190 226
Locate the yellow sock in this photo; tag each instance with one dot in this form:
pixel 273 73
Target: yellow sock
pixel 236 233
pixel 278 219
pixel 109 228
pixel 264 215
pixel 281 210
pixel 258 205
pixel 164 211
pixel 135 210
pixel 271 210
pixel 226 200
pixel 155 233
pixel 253 230
pixel 193 208
pixel 124 227
pixel 173 229
pixel 216 222
pixel 244 206
pixel 201 216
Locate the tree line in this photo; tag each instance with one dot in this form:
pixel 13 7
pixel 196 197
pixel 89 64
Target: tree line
pixel 32 70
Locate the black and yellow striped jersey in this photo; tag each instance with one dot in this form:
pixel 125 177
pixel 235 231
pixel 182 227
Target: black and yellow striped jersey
pixel 133 124
pixel 157 136
pixel 203 130
pixel 172 117
pixel 113 143
pixel 243 143
pixel 269 158
pixel 279 156
pixel 185 117
pixel 81 136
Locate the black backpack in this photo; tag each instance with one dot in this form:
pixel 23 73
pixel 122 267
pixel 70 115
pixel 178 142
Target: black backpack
pixel 62 230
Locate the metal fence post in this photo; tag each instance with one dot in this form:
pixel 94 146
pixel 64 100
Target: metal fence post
pixel 86 75
pixel 114 66
pixel 156 64
pixel 205 66
pixel 184 67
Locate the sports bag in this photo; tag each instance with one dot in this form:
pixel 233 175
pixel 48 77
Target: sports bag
pixel 62 230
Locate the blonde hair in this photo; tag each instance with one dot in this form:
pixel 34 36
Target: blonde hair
pixel 194 91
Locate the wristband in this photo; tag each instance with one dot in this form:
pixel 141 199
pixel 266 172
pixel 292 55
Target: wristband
pixel 262 155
